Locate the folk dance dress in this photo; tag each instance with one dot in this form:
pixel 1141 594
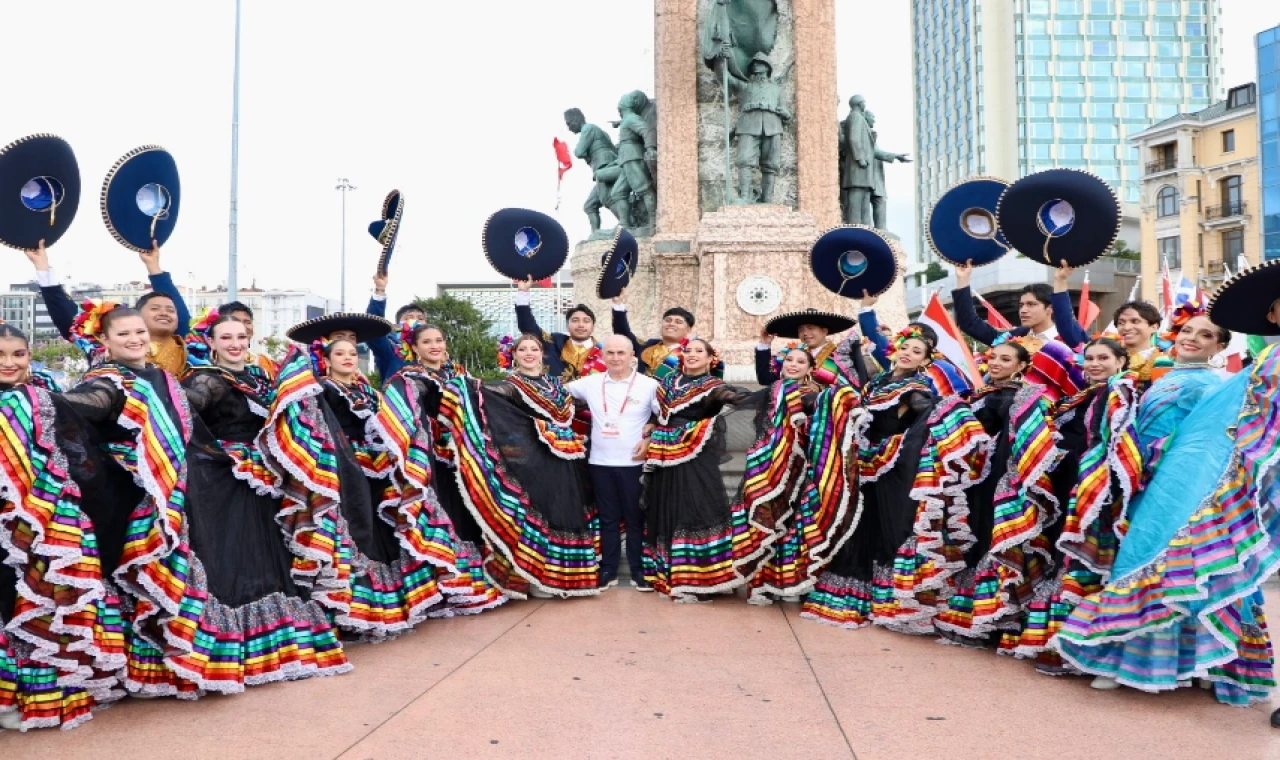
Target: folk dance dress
pixel 695 541
pixel 1183 598
pixel 521 472
pixel 263 626
pixel 420 443
pixel 61 638
pixel 794 486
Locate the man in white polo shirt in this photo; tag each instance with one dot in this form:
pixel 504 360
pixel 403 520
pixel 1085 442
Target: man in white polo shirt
pixel 623 405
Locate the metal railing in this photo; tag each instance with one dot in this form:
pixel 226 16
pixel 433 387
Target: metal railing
pixel 1225 211
pixel 1162 165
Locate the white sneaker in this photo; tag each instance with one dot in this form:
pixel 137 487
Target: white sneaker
pixel 1102 683
pixel 11 721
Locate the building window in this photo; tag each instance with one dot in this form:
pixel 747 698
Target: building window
pixel 1037 68
pixel 1167 8
pixel 1232 196
pixel 1105 131
pixel 1135 70
pixel 1240 96
pixel 1101 68
pixel 1133 28
pixel 1135 110
pixel 1106 47
pixel 1071 89
pixel 1040 48
pixel 1070 7
pixel 1100 28
pixel 1170 252
pixel 1042 131
pixel 1196 8
pixel 1041 90
pixel 1039 109
pixel 1068 68
pixel 1200 49
pixel 1136 48
pixel 1037 7
pixel 1199 91
pixel 1135 7
pixel 1073 130
pixel 1228 140
pixel 1197 69
pixel 1070 47
pixel 1102 7
pixel 1165 29
pixel 1136 90
pixel 1232 245
pixel 1166 110
pixel 1066 27
pixel 1071 152
pixel 1040 150
pixel 1169 90
pixel 1105 89
pixel 1037 27
pixel 1195 29
pixel 1167 202
pixel 1102 110
pixel 1166 69
pixel 1168 50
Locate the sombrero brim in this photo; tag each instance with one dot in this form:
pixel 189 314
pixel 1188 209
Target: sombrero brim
pixel 617 265
pixel 127 223
pixel 788 325
pixel 366 327
pixel 387 229
pixel 1243 301
pixel 539 261
pixel 1094 228
pixel 41 155
pixel 948 234
pixel 871 266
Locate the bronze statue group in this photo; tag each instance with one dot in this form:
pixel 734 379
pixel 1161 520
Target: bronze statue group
pixel 186 522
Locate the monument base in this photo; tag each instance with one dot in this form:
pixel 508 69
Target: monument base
pixel 745 265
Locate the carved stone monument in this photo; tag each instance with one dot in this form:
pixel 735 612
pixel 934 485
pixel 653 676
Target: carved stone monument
pixel 736 265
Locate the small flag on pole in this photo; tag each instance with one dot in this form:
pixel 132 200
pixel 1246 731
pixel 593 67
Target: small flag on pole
pixel 564 162
pixel 994 317
pixel 1088 309
pixel 951 343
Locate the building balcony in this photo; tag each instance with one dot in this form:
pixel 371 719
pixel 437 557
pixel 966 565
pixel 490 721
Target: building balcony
pixel 1162 165
pixel 1225 211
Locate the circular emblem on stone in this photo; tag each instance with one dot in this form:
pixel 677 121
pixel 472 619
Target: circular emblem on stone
pixel 759 295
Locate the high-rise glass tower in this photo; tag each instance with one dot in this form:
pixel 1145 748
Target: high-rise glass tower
pixel 1009 87
pixel 1269 137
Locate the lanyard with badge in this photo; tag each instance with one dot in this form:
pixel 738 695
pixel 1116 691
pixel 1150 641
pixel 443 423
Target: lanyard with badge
pixel 609 426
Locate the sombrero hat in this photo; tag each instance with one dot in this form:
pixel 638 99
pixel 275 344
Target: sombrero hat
pixel 850 259
pixel 1054 366
pixel 39 191
pixel 617 265
pixel 366 327
pixel 1243 301
pixel 141 196
pixel 962 224
pixel 1060 214
pixel 520 244
pixel 788 325
pixel 387 228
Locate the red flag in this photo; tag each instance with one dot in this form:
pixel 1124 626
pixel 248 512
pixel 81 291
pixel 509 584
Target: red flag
pixel 951 343
pixel 563 158
pixel 545 282
pixel 1166 288
pixel 1088 309
pixel 994 317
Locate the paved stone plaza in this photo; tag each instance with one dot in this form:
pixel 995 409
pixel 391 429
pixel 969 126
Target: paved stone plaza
pixel 633 675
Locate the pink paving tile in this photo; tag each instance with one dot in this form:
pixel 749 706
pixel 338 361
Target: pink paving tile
pixel 310 719
pixel 629 676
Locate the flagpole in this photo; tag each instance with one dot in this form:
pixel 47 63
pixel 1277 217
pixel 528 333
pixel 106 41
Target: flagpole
pixel 232 239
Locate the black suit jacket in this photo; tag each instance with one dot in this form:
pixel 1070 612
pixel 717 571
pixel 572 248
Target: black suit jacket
pixel 971 324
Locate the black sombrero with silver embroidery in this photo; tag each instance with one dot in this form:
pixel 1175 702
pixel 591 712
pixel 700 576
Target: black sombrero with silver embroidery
pixel 1243 301
pixel 850 259
pixel 387 228
pixel 141 197
pixel 788 325
pixel 1060 215
pixel 521 243
pixel 618 264
pixel 366 327
pixel 39 191
pixel 962 224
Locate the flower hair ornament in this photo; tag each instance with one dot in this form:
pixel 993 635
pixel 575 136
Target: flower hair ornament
pixel 506 353
pixel 402 341
pixel 86 329
pixel 715 355
pixel 200 339
pixel 781 356
pixel 1186 311
pixel 319 364
pixel 911 332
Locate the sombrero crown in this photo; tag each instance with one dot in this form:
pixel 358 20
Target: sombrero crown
pixel 850 259
pixel 366 327
pixel 1060 215
pixel 1243 301
pixel 962 224
pixel 386 229
pixel 617 265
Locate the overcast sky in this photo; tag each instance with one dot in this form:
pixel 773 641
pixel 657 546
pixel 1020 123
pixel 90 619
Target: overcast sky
pixel 454 103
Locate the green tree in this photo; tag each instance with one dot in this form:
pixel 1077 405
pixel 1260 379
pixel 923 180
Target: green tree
pixel 467 333
pixel 1121 250
pixel 934 272
pixel 275 347
pixel 56 354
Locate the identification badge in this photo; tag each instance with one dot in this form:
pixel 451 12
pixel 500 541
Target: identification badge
pixel 609 429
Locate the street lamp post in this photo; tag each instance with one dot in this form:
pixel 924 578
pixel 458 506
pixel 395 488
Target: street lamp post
pixel 232 243
pixel 344 186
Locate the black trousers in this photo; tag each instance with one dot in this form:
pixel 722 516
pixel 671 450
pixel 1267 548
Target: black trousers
pixel 618 498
